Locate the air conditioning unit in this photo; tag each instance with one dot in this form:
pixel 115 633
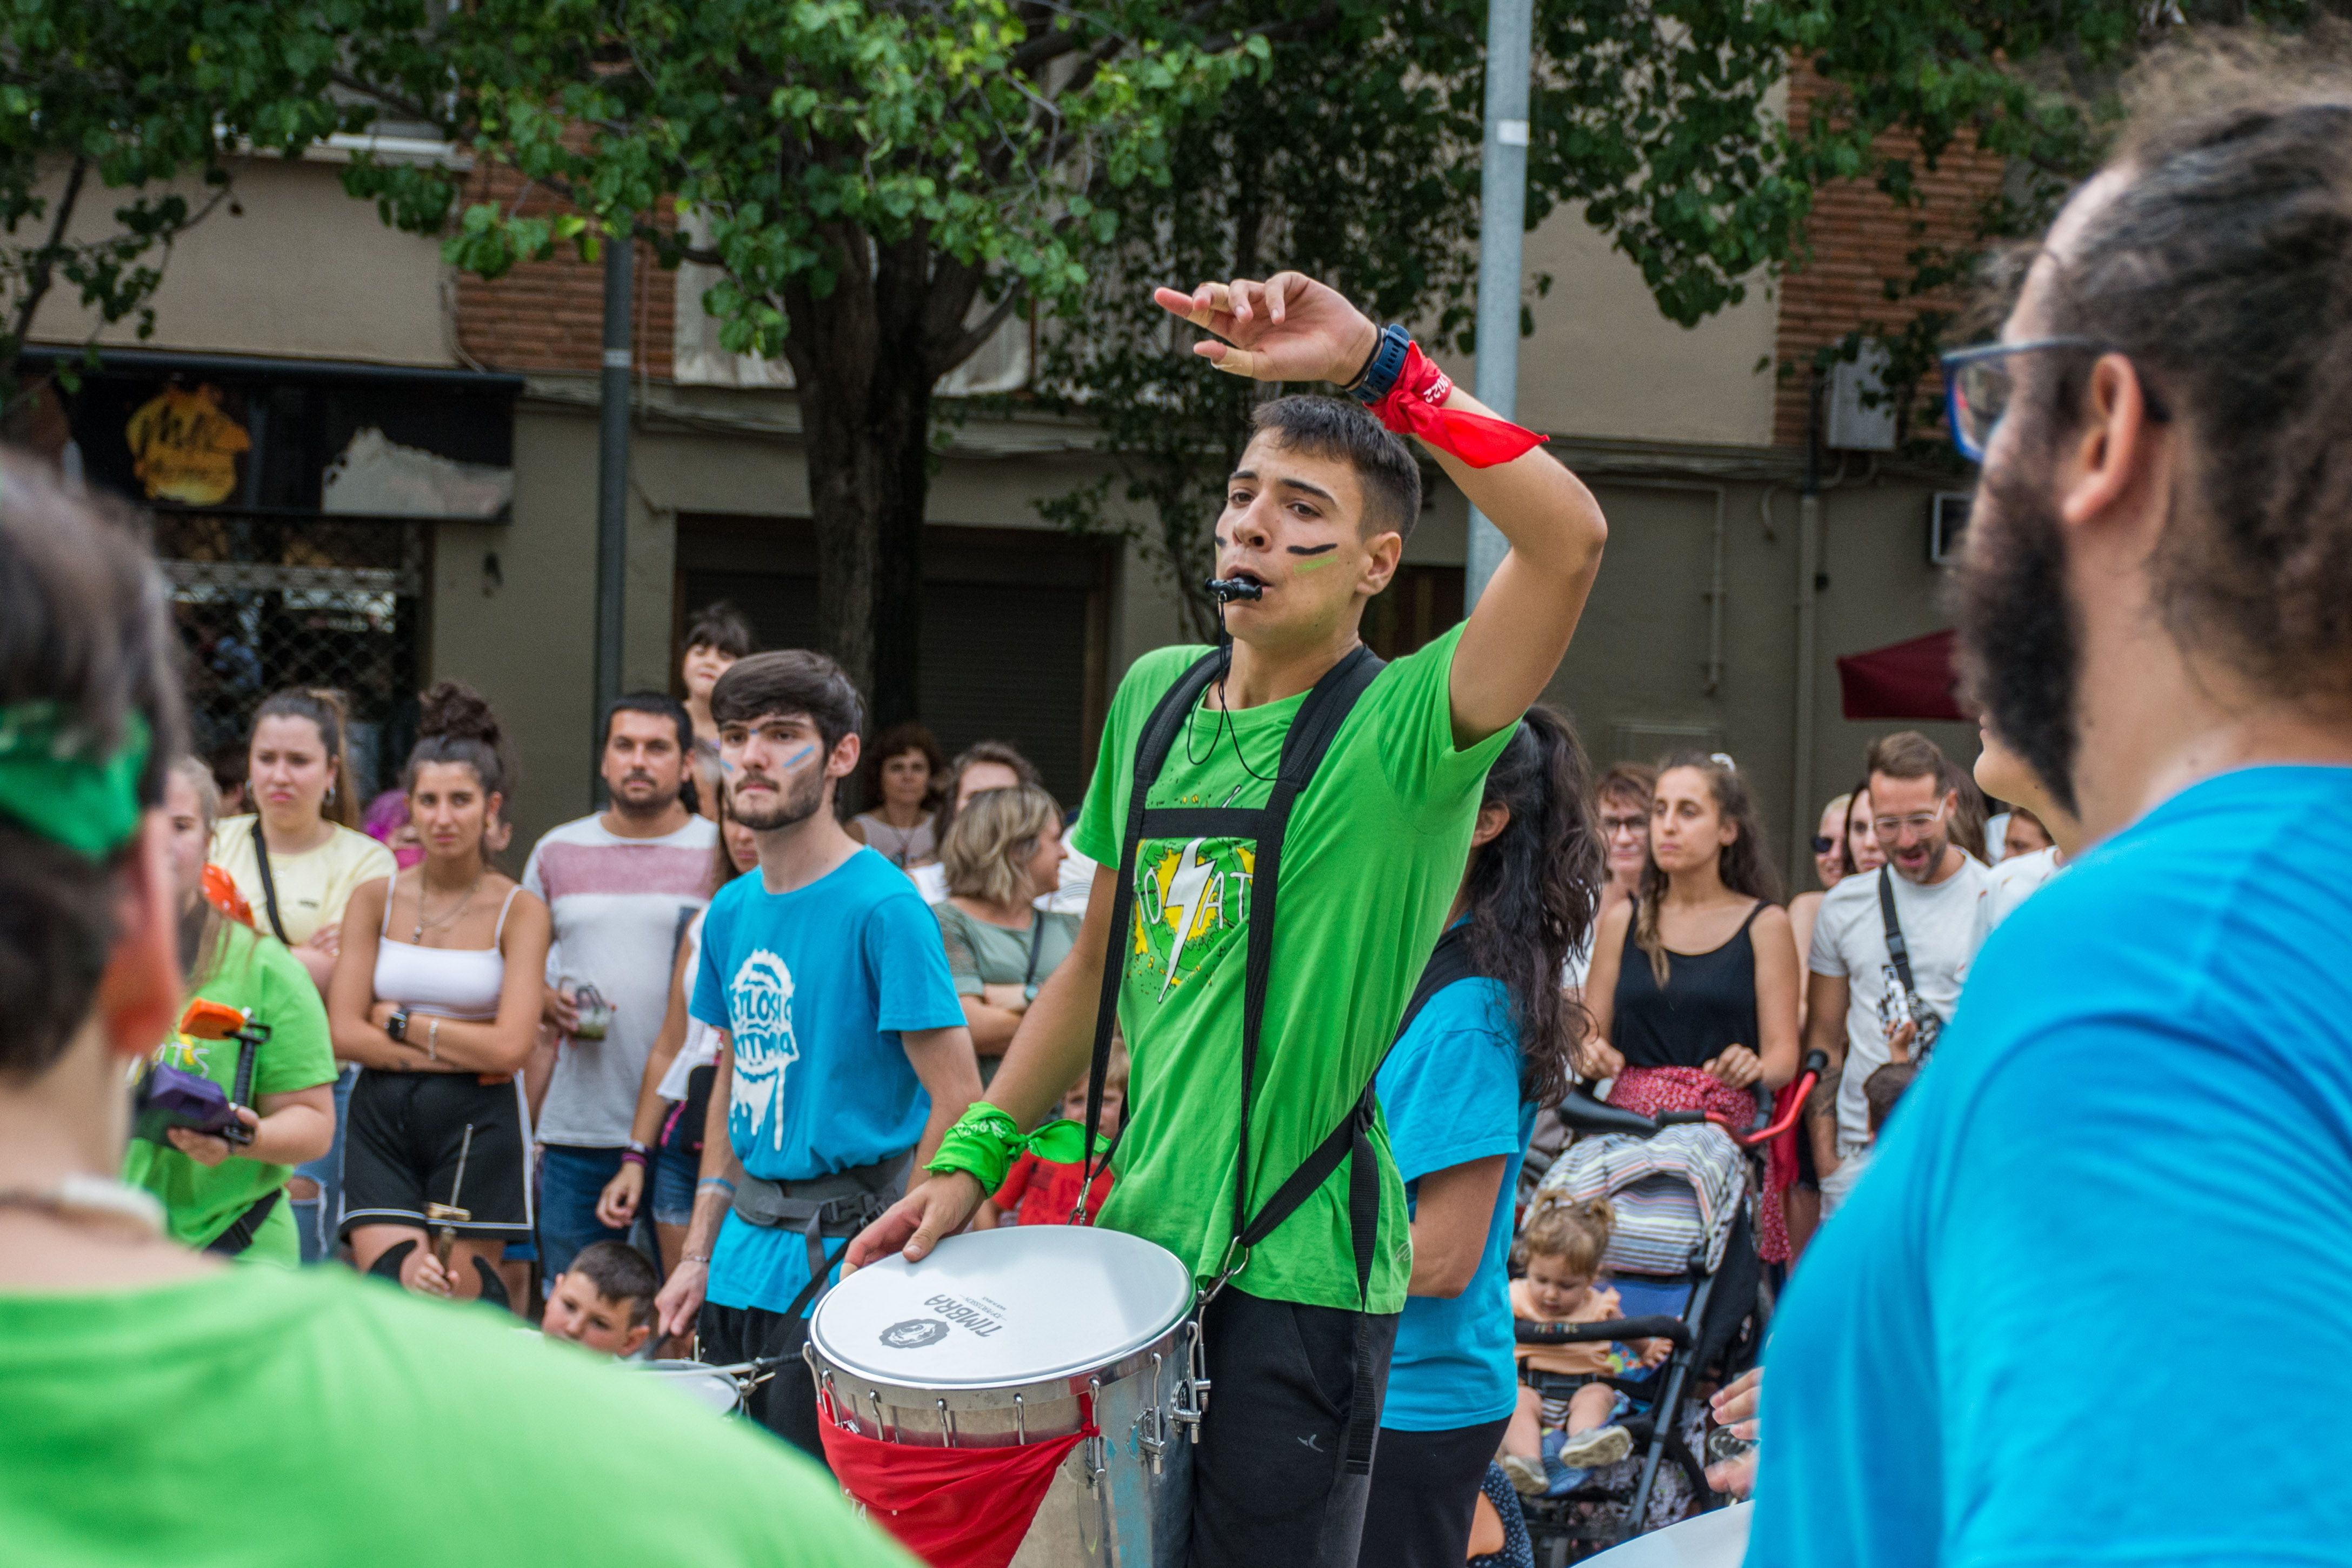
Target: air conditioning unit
pixel 1947 524
pixel 1855 425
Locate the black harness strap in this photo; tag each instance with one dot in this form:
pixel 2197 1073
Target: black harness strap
pixel 1310 736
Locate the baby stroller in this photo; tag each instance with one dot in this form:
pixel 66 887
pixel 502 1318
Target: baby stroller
pixel 1687 1270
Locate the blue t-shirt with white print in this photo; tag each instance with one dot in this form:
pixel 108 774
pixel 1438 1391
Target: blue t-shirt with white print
pixel 814 986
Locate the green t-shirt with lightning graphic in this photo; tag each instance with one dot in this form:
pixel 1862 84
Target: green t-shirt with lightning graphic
pixel 1370 862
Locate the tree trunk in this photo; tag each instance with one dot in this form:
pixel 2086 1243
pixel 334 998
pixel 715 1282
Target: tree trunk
pixel 866 357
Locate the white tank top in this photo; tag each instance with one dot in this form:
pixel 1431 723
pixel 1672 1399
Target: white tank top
pixel 454 982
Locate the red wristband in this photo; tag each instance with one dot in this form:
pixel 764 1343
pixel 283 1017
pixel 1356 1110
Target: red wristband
pixel 1413 408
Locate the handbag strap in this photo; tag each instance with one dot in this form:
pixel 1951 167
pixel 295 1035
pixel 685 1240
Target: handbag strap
pixel 269 883
pixel 1897 950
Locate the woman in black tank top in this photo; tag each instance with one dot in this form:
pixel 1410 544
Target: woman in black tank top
pixel 1700 972
pixel 1693 990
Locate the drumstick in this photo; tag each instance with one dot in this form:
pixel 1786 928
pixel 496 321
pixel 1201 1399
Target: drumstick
pixel 448 1214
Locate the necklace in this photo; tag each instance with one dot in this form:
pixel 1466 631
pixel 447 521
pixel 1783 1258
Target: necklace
pixel 447 920
pixel 88 1199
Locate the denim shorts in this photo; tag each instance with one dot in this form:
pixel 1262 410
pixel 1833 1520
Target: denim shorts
pixel 674 1173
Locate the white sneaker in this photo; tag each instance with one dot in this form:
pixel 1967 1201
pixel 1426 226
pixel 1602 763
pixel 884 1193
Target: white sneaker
pixel 1527 1474
pixel 1600 1445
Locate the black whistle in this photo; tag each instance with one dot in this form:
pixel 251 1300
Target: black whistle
pixel 1225 590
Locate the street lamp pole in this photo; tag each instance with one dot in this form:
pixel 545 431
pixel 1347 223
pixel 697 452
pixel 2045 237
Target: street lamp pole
pixel 612 475
pixel 1502 220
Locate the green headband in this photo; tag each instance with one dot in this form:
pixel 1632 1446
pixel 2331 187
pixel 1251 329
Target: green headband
pixel 52 781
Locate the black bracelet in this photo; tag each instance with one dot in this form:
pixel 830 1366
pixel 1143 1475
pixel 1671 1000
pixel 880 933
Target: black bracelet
pixel 1380 373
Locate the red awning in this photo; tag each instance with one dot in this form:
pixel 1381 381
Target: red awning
pixel 1913 680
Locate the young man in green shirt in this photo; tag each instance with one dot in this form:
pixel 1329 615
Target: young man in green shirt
pixel 1296 1334
pixel 164 1406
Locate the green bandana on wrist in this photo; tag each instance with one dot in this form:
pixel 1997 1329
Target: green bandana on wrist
pixel 984 1140
pixel 52 781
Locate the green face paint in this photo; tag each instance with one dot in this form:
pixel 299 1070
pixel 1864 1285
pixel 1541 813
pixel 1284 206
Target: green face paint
pixel 1318 564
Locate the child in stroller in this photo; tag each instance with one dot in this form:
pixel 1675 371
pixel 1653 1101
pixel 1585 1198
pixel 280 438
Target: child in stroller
pixel 1553 1443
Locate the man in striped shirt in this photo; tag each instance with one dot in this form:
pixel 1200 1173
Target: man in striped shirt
pixel 622 885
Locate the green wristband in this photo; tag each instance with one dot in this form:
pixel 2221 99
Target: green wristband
pixel 985 1140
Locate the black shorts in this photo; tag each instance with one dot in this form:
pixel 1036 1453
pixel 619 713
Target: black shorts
pixel 402 1148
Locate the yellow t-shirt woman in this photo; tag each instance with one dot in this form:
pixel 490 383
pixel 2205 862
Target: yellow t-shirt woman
pixel 312 886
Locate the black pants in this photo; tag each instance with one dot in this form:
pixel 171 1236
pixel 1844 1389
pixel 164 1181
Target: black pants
pixel 786 1402
pixel 1424 1489
pixel 1269 1479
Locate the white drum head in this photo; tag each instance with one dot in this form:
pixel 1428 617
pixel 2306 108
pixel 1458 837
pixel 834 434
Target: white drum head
pixel 699 1381
pixel 1716 1539
pixel 998 1308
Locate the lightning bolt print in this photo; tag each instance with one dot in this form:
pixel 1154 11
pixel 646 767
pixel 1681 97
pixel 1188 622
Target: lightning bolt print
pixel 1182 904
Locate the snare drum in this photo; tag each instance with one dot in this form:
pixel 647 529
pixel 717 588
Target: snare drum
pixel 1007 1336
pixel 714 1388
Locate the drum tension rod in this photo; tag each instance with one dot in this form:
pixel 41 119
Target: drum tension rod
pixel 1020 1422
pixel 1152 1427
pixel 947 1425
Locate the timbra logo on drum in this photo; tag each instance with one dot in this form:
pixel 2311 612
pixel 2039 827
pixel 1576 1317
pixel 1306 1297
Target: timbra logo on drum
pixel 913 1334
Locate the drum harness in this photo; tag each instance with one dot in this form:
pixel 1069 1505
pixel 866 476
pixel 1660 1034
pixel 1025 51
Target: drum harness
pixel 836 1206
pixel 1311 733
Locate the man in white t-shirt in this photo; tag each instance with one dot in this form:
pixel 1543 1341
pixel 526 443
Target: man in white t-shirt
pixel 2003 774
pixel 1859 1011
pixel 622 886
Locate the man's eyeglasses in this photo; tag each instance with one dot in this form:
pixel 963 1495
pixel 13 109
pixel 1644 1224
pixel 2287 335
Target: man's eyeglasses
pixel 1612 826
pixel 1978 384
pixel 1917 821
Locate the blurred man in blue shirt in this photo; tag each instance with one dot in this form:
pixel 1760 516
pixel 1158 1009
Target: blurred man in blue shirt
pixel 2135 1141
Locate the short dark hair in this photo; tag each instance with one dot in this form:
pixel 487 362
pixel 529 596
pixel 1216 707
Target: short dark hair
pixel 659 704
pixel 1883 1087
pixel 2218 268
pixel 789 680
pixel 1336 427
pixel 1907 753
pixel 82 624
pixel 620 1273
pixel 662 705
pixel 720 625
pixel 896 741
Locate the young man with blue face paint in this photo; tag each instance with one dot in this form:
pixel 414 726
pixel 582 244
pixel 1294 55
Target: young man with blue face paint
pixel 1301 1304
pixel 847 1056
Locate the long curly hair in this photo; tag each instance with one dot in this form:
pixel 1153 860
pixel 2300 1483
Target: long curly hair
pixel 1746 866
pixel 1532 889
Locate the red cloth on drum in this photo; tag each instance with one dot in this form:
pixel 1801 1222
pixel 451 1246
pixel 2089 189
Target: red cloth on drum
pixel 953 1507
pixel 1649 1090
pixel 1042 1192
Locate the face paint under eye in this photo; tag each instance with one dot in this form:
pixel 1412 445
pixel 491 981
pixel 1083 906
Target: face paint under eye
pixel 1313 549
pixel 797 758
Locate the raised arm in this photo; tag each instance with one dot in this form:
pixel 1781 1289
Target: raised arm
pixel 1293 329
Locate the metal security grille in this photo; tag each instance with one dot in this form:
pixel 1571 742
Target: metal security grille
pixel 266 601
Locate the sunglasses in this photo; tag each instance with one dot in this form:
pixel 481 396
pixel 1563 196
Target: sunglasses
pixel 1823 844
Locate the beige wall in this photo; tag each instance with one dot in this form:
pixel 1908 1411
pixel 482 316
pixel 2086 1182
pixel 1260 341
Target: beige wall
pixel 305 271
pixel 1604 363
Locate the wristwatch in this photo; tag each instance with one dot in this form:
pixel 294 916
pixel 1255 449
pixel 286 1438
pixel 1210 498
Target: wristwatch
pixel 397 1025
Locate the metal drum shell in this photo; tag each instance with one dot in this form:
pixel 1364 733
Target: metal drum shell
pixel 980 1418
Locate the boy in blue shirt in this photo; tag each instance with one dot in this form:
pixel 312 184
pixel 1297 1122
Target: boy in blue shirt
pixel 2149 1079
pixel 847 1056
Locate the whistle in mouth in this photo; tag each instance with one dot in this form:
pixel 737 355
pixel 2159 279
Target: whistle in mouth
pixel 1225 590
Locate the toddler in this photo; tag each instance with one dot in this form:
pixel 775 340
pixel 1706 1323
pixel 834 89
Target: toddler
pixel 1043 1192
pixel 604 1302
pixel 1552 1443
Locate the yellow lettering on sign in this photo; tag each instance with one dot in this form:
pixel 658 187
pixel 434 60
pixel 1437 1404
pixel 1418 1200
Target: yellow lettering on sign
pixel 184 445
